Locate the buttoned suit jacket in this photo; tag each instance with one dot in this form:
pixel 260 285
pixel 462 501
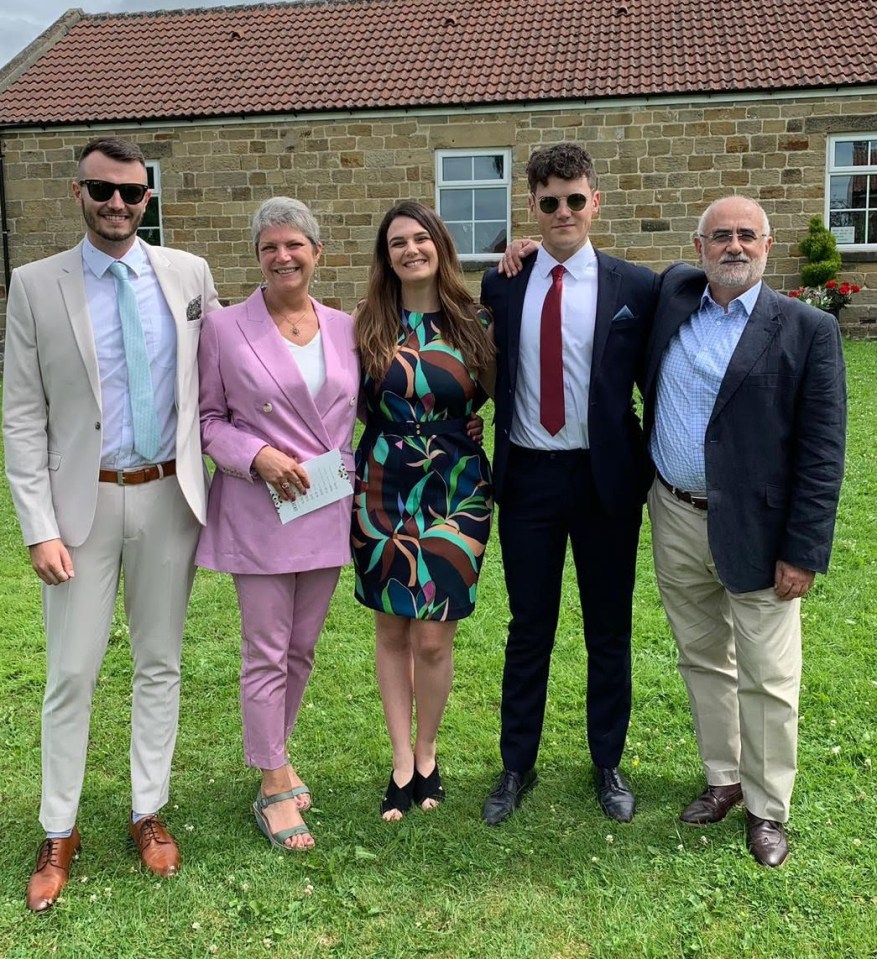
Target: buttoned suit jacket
pixel 774 444
pixel 253 395
pixel 626 296
pixel 52 412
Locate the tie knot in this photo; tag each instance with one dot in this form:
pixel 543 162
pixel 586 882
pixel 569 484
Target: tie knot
pixel 557 273
pixel 119 269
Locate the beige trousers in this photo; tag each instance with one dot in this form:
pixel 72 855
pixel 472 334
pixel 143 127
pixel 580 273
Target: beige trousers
pixel 150 533
pixel 740 658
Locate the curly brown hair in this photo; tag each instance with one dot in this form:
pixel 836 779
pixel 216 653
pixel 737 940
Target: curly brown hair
pixel 379 315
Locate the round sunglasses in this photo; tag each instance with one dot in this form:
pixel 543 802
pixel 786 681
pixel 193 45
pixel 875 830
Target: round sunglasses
pixel 549 204
pixel 102 190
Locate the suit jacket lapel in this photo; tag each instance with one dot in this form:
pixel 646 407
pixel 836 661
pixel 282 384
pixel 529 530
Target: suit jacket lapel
pixel 671 315
pixel 514 314
pixel 329 392
pixel 270 349
pixel 608 283
pixel 72 285
pixel 169 280
pixel 761 327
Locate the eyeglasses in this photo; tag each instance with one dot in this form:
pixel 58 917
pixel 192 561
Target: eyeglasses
pixel 724 237
pixel 103 190
pixel 549 204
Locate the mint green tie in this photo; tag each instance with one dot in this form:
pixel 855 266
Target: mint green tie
pixel 147 435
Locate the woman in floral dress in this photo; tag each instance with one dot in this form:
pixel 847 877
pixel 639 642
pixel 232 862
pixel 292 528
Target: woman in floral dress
pixel 423 496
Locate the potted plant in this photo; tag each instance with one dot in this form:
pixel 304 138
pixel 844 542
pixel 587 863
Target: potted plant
pixel 820 287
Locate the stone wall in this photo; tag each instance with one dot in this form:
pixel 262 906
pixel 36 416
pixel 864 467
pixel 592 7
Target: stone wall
pixel 659 166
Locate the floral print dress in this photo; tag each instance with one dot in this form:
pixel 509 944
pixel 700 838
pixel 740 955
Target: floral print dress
pixel 423 494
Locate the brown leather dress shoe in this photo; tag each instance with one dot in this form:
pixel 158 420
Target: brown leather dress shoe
pixel 52 871
pixel 158 850
pixel 713 805
pixel 766 840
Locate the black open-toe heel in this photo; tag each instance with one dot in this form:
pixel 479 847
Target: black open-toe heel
pixel 428 787
pixel 398 797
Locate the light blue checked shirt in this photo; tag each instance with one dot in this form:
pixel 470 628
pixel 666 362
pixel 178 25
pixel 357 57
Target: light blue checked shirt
pixel 692 369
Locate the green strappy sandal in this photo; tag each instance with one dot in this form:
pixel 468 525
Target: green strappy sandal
pixel 278 838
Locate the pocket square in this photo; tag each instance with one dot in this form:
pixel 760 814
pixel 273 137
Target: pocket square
pixel 623 314
pixel 193 310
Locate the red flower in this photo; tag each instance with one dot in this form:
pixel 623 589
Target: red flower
pixel 855 289
pixel 831 284
pixel 795 294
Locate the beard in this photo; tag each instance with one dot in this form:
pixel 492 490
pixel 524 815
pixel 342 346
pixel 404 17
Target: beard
pixel 114 232
pixel 736 274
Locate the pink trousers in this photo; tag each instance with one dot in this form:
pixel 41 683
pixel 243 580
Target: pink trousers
pixel 281 618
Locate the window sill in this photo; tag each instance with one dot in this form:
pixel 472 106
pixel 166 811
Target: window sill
pixel 860 256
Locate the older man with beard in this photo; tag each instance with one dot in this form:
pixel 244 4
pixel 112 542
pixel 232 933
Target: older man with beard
pixel 746 416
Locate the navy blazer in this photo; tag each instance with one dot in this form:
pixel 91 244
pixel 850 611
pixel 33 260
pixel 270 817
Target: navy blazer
pixel 774 445
pixel 626 297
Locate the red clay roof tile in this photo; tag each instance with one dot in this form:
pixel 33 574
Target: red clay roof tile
pixel 368 54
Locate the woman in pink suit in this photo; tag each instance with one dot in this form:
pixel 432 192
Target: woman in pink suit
pixel 279 380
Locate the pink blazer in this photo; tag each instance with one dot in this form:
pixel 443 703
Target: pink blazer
pixel 253 394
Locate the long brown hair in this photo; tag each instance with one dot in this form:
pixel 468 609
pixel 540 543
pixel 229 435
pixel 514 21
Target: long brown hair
pixel 379 315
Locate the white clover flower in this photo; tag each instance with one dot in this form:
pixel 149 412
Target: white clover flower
pixel 610 839
pixel 835 750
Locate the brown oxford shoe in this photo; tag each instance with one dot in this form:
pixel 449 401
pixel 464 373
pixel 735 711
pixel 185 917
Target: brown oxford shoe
pixel 766 840
pixel 713 805
pixel 158 850
pixel 51 871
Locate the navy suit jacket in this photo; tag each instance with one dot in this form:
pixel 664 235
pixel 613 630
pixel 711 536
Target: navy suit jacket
pixel 626 296
pixel 774 445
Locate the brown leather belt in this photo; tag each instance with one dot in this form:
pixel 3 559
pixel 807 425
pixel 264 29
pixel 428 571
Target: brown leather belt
pixel 143 474
pixel 698 502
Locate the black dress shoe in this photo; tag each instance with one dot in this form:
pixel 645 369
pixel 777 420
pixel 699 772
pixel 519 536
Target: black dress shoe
pixel 506 796
pixel 713 805
pixel 616 799
pixel 766 840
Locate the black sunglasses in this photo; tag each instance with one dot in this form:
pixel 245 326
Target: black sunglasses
pixel 102 190
pixel 549 204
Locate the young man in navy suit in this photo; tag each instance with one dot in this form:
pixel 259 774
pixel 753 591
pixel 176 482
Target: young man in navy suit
pixel 746 415
pixel 570 465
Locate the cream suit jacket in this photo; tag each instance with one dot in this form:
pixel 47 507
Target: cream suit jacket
pixel 52 416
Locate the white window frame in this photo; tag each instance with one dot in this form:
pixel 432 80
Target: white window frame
pixel 867 170
pixel 506 182
pixel 154 168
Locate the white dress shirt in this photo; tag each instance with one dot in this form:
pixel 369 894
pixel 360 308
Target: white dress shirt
pixel 117 451
pixel 577 318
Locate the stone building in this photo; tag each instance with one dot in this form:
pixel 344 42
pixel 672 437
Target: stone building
pixel 350 105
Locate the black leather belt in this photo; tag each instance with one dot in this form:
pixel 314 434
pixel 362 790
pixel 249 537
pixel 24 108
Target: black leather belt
pixel 142 474
pixel 698 502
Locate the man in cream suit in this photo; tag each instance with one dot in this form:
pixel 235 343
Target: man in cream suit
pixel 97 491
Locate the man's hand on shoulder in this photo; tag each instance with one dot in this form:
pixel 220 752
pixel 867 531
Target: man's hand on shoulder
pixel 513 258
pixel 51 562
pixel 792 582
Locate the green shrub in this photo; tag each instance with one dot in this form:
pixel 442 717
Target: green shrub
pixel 820 248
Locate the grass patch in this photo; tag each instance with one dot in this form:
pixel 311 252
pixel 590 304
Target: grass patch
pixel 557 882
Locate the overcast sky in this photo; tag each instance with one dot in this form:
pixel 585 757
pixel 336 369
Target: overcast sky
pixel 22 22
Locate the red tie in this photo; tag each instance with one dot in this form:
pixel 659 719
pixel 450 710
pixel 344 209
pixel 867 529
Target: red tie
pixel 551 410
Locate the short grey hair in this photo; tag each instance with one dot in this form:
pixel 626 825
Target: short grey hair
pixel 284 211
pixel 701 223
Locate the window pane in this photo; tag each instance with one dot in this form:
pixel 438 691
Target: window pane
pixel 872 227
pixel 874 153
pixel 151 236
pixel 489 167
pixel 456 204
pixel 490 204
pixel 490 237
pixel 456 168
pixel 851 153
pixel 150 177
pixel 462 234
pixel 840 197
pixel 856 220
pixel 152 214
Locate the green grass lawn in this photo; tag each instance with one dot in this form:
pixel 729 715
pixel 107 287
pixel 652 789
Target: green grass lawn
pixel 557 882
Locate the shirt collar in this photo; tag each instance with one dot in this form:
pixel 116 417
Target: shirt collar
pixel 746 300
pixel 99 262
pixel 578 264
